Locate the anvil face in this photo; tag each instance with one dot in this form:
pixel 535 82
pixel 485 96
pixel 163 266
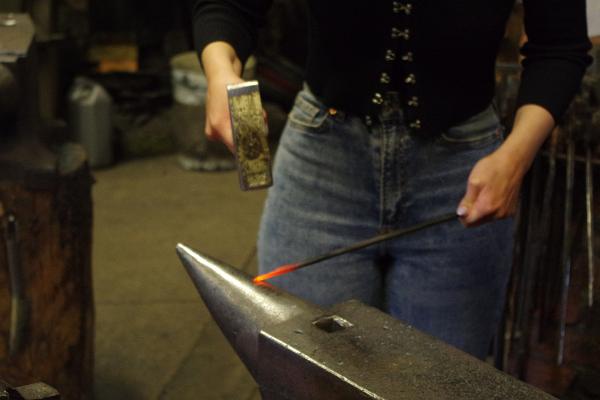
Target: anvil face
pixel 297 351
pixel 376 357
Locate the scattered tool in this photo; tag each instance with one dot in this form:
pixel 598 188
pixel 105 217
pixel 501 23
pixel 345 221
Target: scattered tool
pixel 284 269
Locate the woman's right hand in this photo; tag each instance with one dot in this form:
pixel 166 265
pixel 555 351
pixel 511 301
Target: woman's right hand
pixel 222 67
pixel 218 122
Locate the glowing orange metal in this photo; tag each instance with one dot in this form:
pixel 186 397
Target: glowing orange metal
pixel 284 269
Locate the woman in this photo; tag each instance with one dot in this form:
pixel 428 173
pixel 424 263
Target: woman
pixel 394 127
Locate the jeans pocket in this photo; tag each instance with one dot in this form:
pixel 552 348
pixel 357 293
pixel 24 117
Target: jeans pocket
pixel 479 131
pixel 308 115
pixel 473 139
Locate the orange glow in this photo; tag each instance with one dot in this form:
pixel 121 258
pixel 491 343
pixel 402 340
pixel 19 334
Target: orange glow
pixel 284 269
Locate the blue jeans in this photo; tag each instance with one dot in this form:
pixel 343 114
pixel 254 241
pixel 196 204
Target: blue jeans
pixel 337 182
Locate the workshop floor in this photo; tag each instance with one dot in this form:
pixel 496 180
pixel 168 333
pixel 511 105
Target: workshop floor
pixel 154 337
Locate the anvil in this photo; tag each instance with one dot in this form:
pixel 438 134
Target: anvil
pixel 296 350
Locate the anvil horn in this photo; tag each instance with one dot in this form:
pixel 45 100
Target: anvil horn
pixel 240 307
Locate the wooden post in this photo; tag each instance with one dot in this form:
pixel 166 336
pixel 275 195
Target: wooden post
pixel 46 218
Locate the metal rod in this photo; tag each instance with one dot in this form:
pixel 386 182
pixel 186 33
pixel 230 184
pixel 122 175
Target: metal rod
pixel 546 228
pixel 18 306
pixel 589 201
pixel 566 250
pixel 529 268
pixel 579 159
pixel 357 246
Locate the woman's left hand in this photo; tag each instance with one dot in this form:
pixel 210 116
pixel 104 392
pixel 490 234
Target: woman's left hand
pixel 495 181
pixel 492 190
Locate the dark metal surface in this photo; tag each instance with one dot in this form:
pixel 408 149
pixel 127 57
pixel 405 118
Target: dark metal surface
pixel 378 357
pixel 297 351
pixel 34 391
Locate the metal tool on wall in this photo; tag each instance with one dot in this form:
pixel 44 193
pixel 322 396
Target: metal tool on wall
pixel 566 248
pixel 529 268
pixel 542 297
pixel 589 217
pixel 578 129
pixel 18 302
pixel 548 267
pixel 590 140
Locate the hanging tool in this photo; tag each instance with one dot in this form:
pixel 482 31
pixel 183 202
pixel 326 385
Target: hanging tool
pixel 546 229
pixel 18 303
pixel 588 123
pixel 284 269
pixel 529 267
pixel 511 332
pixel 589 196
pixel 589 217
pixel 566 247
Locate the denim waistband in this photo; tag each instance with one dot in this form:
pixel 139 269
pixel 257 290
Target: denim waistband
pixel 485 120
pixel 392 111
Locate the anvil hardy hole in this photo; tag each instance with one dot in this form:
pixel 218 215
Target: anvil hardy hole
pixel 332 323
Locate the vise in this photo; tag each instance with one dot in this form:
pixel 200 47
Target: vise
pixel 298 351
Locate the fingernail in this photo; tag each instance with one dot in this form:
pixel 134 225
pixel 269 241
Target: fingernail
pixel 461 211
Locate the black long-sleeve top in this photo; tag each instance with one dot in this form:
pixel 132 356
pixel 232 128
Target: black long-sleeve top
pixel 439 54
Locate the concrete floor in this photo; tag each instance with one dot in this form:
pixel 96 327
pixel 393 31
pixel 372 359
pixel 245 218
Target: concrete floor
pixel 154 337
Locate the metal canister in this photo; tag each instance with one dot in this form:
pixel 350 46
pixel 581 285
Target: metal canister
pixel 90 121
